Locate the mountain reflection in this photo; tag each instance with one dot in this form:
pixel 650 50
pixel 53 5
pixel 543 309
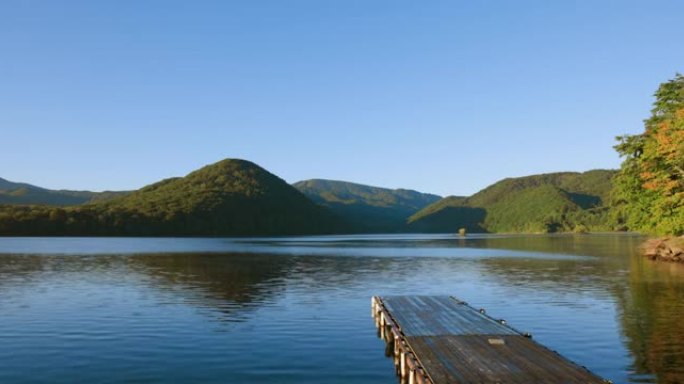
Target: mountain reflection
pixel 602 262
pixel 557 275
pixel 652 320
pixel 581 245
pixel 230 283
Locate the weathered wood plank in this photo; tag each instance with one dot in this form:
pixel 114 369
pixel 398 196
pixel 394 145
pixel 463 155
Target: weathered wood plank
pixel 473 359
pixel 440 315
pixel 443 340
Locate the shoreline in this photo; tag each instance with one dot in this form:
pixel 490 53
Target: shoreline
pixel 670 249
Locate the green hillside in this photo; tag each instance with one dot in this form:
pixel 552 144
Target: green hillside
pixel 367 208
pixel 540 203
pixel 12 193
pixel 231 197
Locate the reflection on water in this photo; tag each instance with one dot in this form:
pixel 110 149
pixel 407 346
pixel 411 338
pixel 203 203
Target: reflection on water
pixel 231 285
pixel 653 321
pixel 297 309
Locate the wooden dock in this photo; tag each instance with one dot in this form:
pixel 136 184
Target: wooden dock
pixel 439 340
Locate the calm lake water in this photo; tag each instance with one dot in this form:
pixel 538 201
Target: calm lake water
pixel 297 310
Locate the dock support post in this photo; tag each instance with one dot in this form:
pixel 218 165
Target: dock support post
pixel 420 376
pixel 402 367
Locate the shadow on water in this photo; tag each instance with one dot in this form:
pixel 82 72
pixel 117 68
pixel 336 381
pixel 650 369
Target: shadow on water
pixel 229 283
pixel 597 245
pixel 599 268
pixel 247 278
pixel 653 320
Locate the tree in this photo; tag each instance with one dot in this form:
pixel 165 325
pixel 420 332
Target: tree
pixel 648 193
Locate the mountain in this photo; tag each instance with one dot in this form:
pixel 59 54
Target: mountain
pixel 368 209
pixel 539 203
pixel 26 194
pixel 229 198
pixel 238 198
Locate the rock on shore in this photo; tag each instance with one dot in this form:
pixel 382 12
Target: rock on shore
pixel 665 249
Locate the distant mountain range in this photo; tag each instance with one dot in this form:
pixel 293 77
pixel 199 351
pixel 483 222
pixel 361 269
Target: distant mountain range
pixel 26 194
pixel 238 198
pixel 368 209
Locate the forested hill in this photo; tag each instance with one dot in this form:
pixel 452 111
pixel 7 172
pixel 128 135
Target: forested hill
pixel 367 208
pixel 551 202
pixel 239 198
pixel 231 197
pixel 23 194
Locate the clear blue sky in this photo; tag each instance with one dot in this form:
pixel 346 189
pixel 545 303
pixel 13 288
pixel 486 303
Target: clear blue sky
pixel 439 96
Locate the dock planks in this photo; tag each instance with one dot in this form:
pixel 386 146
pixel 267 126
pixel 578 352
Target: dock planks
pixel 439 339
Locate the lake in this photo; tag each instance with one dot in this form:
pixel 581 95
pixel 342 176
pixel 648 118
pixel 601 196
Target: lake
pixel 297 309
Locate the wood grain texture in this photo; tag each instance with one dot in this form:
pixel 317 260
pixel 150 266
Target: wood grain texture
pixel 440 315
pixel 455 343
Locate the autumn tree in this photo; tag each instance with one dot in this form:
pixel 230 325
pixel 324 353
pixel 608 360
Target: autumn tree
pixel 648 192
